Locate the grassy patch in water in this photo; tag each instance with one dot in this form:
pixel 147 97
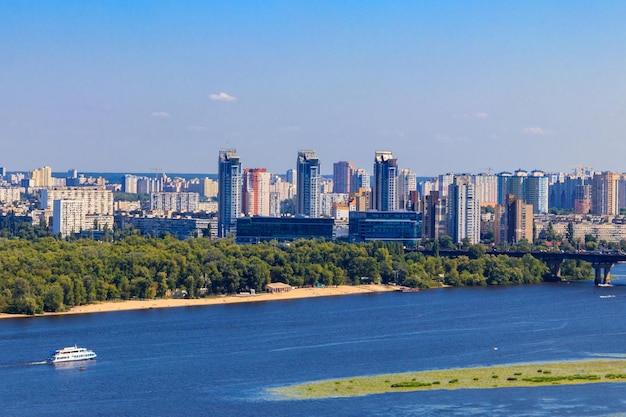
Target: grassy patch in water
pixel 515 375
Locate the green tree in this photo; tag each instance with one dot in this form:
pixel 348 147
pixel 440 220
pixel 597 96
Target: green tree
pixel 53 300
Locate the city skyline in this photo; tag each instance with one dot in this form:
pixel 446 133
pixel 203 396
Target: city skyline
pixel 447 86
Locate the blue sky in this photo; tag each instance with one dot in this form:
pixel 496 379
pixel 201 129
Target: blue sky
pixel 447 86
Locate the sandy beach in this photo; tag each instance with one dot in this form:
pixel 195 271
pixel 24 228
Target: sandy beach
pixel 231 299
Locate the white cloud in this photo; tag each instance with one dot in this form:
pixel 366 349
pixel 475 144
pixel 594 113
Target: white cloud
pixel 480 115
pixel 536 131
pixel 161 114
pixel 222 97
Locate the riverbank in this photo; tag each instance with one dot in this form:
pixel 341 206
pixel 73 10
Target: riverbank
pixel 295 293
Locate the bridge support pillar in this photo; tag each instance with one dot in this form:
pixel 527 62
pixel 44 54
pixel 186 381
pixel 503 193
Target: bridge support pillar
pixel 555 268
pixel 602 272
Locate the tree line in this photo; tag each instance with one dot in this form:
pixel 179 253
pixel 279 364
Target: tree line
pixel 48 274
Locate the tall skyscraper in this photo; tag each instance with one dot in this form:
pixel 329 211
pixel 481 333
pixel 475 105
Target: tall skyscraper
pixel 68 217
pixel 308 188
pixel 433 216
pixel 504 186
pixel 582 199
pixel 360 180
pixel 385 190
pixel 407 183
pixel 604 194
pixel 342 174
pixel 41 177
pixel 562 192
pixel 463 210
pixel 130 184
pixel 444 181
pixel 621 191
pixel 228 192
pixel 514 221
pixel 536 191
pixel 487 188
pixel 256 192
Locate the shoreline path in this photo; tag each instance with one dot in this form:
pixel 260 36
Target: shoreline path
pixel 295 293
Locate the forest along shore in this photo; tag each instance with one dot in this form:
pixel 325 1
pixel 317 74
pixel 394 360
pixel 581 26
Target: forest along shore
pixel 295 293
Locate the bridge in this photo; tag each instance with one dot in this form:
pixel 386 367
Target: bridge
pixel 602 262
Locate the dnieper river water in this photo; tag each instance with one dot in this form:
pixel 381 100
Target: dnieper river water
pixel 220 360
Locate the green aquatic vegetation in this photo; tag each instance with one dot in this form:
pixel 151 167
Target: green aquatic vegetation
pixel 410 384
pixel 563 378
pixel 559 373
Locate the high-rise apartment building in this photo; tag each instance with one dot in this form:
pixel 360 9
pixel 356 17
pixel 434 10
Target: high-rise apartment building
pixel 360 180
pixel 433 216
pixel 621 191
pixel 385 189
pixel 511 184
pixel 604 194
pixel 563 192
pixel 68 217
pixel 326 185
pixel 533 188
pixel 582 199
pixel 130 184
pixel 362 200
pixel 10 194
pixel 504 187
pixel 536 191
pixel 229 192
pixel 463 210
pixel 427 186
pixel 407 183
pixel 256 192
pixel 174 201
pixel 308 188
pixel 41 177
pixel 94 200
pixel 342 174
pixel 284 189
pixel 443 182
pixel 147 185
pixel 514 221
pixel 486 188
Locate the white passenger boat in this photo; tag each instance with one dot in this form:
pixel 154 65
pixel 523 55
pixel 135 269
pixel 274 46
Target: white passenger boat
pixel 70 354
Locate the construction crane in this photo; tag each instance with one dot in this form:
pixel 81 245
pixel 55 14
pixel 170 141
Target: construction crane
pixel 156 172
pixel 580 169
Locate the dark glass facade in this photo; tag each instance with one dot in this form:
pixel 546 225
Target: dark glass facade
pixel 261 229
pixel 398 226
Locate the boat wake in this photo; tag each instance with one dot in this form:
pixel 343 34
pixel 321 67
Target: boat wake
pixel 37 363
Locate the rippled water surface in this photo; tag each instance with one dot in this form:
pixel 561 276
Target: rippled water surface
pixel 220 360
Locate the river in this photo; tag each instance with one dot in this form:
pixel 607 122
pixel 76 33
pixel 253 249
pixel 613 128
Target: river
pixel 220 360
